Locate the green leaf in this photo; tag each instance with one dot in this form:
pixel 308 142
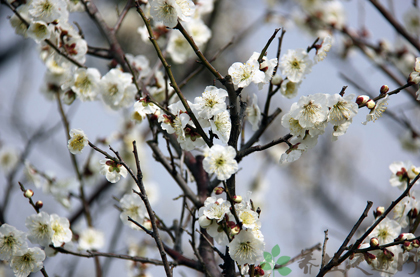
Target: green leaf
pixel 276 250
pixel 283 260
pixel 266 266
pixel 284 271
pixel 267 257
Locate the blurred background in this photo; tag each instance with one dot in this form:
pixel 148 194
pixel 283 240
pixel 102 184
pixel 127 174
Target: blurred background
pixel 326 189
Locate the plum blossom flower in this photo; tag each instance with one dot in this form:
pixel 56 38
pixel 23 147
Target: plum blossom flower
pixel 342 108
pixel 78 140
pixel 113 87
pixel 40 230
pixel 27 261
pixel 11 241
pixel 168 11
pixel 377 111
pixel 295 64
pixel 246 249
pixel 132 206
pixel 39 31
pixel 48 10
pixel 289 89
pixel 142 108
pixel 243 74
pixel 214 209
pixel 311 110
pixel 85 83
pixel 402 173
pixel 91 239
pixel 221 161
pixel 112 170
pixel 325 47
pixel 221 126
pixel 212 102
pixel 386 231
pixel 61 230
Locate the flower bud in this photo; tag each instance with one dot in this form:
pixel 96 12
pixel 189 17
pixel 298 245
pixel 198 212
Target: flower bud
pixel 388 254
pixel 415 243
pixel 204 221
pixel 28 193
pixel 384 89
pixel 235 230
pixel 400 237
pixel 39 204
pixel 374 242
pixel 379 211
pixel 276 80
pixel 237 198
pixel 370 104
pixel 407 245
pixel 362 99
pixel 69 97
pixel 369 257
pixel 218 190
pixel 147 224
pixel 264 66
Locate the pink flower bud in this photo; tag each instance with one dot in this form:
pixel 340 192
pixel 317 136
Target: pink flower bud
pixel 218 190
pixel 407 245
pixel 374 242
pixel 39 204
pixel 362 99
pixel 28 193
pixel 388 254
pixel 369 257
pixel 379 211
pixel 237 199
pixel 384 89
pixel 147 224
pixel 235 230
pixel 370 104
pixel 415 243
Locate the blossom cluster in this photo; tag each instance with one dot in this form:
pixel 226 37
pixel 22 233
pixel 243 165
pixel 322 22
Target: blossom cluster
pixel 308 118
pixel 43 229
pixel 244 238
pixel 389 259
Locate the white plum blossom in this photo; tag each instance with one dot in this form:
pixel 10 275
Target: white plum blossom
pixel 78 140
pixel 91 239
pixel 386 231
pixel 293 124
pixel 113 85
pixel 168 11
pixel 61 230
pixel 243 74
pixel 289 89
pixel 342 108
pixel 221 161
pixel 221 126
pixel 389 260
pixel 179 48
pixel 295 64
pixel 311 110
pixel 199 31
pixel 39 31
pixel 412 20
pixel 299 146
pixel 40 230
pixel 332 13
pixel 85 83
pixel 214 209
pixel 377 111
pixel 325 47
pixel 249 218
pixel 339 130
pixel 217 233
pixel 9 158
pixel 48 10
pixel 139 64
pixel 112 170
pixel 246 249
pixel 402 173
pixel 253 113
pixel 132 206
pixel 75 6
pixel 415 76
pixel 266 66
pixel 17 24
pixel 211 103
pixel 142 108
pixel 11 241
pixel 27 261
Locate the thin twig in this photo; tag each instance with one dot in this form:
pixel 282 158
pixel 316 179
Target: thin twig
pixel 324 248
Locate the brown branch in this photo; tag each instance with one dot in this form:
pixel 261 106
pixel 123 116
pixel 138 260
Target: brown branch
pixel 242 153
pixel 397 26
pixel 143 196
